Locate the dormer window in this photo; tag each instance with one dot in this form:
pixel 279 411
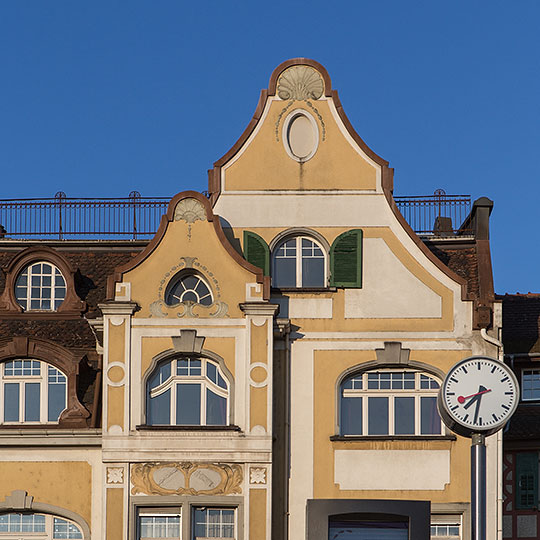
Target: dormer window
pixel 40 286
pixel 188 287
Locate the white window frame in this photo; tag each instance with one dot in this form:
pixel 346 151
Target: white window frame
pixel 48 534
pixel 179 279
pixel 174 380
pixel 536 373
pixel 185 509
pixel 21 380
pixel 298 256
pixel 54 288
pixel 365 393
pixel 445 521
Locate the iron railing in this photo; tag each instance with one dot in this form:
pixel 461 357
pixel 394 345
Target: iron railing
pixel 438 214
pixel 64 218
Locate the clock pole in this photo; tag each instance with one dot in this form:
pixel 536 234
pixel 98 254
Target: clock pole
pixel 478 486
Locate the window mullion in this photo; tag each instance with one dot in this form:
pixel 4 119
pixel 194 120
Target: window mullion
pixel 391 416
pixel 44 394
pixel 298 261
pixel 203 403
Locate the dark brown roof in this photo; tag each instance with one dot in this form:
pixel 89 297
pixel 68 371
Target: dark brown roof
pixel 521 323
pixel 524 424
pixel 461 258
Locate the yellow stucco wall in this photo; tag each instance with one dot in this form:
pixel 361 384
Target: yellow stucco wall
pixel 115 511
pixel 328 367
pixel 265 164
pixel 257 514
pixel 199 242
pixel 66 484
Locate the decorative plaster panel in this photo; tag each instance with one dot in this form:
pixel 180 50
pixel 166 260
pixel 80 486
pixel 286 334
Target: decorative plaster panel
pixel 390 290
pixel 166 478
pixel 392 469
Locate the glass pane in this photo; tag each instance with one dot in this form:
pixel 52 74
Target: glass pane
pixel 313 272
pixel 284 273
pixel 160 375
pixel 216 409
pixel 11 402
pixel 367 530
pixel 211 371
pixel 377 416
pixel 56 400
pixel 158 409
pixel 430 419
pixel 31 402
pixel 351 416
pixel 404 416
pixel 188 404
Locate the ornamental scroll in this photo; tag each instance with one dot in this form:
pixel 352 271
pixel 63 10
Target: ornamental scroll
pixel 186 478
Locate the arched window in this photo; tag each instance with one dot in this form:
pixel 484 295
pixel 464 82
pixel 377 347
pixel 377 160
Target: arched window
pixel 190 391
pixel 31 391
pixel 299 261
pixel 188 287
pixel 40 286
pixel 389 402
pixel 39 526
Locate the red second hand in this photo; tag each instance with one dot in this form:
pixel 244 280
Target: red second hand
pixel 461 399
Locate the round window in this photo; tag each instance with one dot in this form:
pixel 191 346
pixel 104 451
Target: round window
pixel 41 287
pixel 188 288
pixel 300 135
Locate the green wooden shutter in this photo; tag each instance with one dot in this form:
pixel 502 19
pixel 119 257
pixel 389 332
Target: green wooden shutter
pixel 346 260
pixel 256 251
pixel 526 480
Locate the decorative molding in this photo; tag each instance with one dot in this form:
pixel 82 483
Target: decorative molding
pixel 20 500
pixel 188 342
pixel 300 83
pixel 118 308
pixel 218 309
pixel 115 475
pixel 257 475
pixel 393 353
pixel 252 381
pixel 259 309
pixel 116 381
pixel 189 210
pixel 186 478
pixel 71 307
pixel 64 360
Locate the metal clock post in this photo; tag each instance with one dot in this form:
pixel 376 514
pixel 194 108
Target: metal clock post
pixel 477 398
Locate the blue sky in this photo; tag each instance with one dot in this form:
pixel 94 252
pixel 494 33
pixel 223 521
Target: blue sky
pixel 101 98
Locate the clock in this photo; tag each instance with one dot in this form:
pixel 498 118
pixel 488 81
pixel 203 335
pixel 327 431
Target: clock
pixel 479 395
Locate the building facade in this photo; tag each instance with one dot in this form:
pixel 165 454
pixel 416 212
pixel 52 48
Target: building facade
pixel 266 366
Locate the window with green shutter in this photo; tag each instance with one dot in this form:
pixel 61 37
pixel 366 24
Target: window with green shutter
pixel 526 480
pixel 346 260
pixel 256 251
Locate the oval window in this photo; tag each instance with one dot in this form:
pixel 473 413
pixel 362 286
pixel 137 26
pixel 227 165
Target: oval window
pixel 301 136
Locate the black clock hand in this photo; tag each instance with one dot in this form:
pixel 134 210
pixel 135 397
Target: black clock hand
pixel 477 409
pixel 481 391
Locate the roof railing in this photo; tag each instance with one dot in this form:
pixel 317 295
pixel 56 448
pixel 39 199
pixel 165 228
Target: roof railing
pixel 64 218
pixel 437 215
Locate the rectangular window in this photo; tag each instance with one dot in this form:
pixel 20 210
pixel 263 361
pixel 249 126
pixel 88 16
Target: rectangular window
pixel 159 523
pixel 526 480
pixel 377 416
pixel 213 523
pixel 404 416
pixel 188 404
pixel 430 419
pixel 446 527
pixel 32 402
pixel 11 402
pixel 530 384
pixel 345 529
pixel 351 416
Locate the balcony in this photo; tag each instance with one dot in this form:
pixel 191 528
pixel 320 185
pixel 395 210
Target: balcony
pixel 137 218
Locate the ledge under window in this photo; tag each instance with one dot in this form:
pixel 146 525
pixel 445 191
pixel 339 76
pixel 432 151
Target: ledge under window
pixel 146 427
pixel 288 290
pixel 345 438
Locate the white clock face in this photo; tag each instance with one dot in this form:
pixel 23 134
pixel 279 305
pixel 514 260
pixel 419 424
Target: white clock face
pixel 479 395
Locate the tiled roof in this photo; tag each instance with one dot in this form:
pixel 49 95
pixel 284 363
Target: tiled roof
pixel 460 259
pixel 524 424
pixel 521 323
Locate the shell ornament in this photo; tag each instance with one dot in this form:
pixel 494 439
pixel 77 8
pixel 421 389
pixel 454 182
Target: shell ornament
pixel 190 210
pixel 300 83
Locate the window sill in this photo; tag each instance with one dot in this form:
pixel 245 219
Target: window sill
pixel 310 290
pixel 146 427
pixel 355 438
